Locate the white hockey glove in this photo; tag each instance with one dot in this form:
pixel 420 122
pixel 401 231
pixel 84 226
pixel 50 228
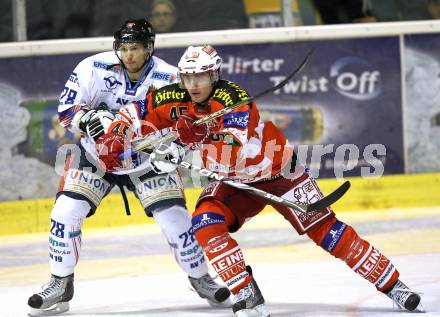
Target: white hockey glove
pixel 160 158
pixel 94 123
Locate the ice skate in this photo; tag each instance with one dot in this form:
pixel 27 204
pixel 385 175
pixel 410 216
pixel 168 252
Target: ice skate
pixel 216 295
pixel 249 302
pixel 404 297
pixel 54 299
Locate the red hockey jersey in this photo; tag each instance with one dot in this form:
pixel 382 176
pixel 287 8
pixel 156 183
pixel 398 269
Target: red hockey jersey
pixel 239 146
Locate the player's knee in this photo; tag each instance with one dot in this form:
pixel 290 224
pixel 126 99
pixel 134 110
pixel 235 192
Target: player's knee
pixel 334 236
pixel 175 223
pixel 175 215
pixel 207 225
pixel 69 210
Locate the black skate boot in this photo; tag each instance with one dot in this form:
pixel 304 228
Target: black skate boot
pixel 404 297
pixel 54 299
pixel 216 295
pixel 249 302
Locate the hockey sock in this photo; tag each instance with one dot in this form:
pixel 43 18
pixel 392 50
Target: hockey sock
pixel 342 241
pixel 65 234
pixel 226 257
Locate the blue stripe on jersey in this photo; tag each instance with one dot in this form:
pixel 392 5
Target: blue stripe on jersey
pixel 333 236
pixel 131 91
pixel 142 108
pixel 65 117
pixel 206 219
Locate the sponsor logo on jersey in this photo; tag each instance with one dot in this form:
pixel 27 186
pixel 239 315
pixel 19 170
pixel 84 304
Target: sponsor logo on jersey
pixel 111 82
pixel 224 96
pixel 206 219
pixel 161 96
pixel 217 243
pixel 333 236
pixel 86 183
pixel 209 190
pixel 236 120
pixel 121 101
pixel 229 93
pixel 103 65
pixel 227 262
pixel 56 251
pixel 220 168
pixel 163 76
pixel 241 93
pixel 73 78
pixel 155 183
pixel 226 138
pixel 374 266
pixel 56 243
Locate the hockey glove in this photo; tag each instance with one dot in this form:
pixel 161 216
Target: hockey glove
pixel 94 123
pixel 166 157
pixel 109 147
pixel 187 132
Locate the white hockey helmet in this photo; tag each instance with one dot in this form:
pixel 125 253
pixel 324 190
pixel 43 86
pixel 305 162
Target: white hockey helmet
pixel 200 59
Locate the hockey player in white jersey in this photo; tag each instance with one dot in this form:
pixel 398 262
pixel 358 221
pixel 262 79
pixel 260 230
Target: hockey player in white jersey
pixel 98 86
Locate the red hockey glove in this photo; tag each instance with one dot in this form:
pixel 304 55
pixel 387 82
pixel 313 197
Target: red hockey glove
pixel 187 132
pixel 109 147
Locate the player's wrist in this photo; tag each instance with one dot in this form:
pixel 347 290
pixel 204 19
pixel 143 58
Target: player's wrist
pixel 76 121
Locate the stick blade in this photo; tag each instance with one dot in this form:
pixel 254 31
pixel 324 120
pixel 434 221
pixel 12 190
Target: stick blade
pixel 329 199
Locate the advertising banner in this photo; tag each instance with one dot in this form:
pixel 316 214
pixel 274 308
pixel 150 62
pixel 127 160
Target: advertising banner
pixel 422 104
pixel 342 112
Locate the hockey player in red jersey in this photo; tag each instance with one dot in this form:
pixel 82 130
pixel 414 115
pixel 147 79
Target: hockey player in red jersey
pixel 245 149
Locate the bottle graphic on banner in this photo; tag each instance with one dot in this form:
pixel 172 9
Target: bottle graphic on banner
pixel 301 125
pixel 45 135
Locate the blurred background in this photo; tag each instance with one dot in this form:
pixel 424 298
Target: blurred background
pixel 22 20
pixel 366 104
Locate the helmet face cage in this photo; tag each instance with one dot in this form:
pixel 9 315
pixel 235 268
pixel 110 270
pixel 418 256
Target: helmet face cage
pixel 135 31
pixel 199 60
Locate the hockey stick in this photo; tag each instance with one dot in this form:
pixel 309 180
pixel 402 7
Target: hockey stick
pixel 302 208
pixel 144 144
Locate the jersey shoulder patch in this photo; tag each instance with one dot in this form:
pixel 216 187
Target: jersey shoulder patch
pixel 163 76
pixel 169 94
pixel 228 93
pixel 111 67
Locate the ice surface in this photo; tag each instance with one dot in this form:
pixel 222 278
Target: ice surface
pixel 129 272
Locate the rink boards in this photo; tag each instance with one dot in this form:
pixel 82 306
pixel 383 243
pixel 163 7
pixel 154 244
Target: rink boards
pixel 397 191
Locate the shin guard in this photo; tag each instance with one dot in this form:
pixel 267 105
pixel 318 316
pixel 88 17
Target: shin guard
pixel 342 241
pixel 227 259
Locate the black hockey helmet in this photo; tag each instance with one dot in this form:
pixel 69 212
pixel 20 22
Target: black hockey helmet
pixel 135 31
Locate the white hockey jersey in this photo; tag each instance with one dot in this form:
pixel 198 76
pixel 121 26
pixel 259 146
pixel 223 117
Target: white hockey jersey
pixel 94 83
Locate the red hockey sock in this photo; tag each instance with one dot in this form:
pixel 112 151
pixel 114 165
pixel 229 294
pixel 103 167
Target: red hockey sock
pixel 342 241
pixel 210 224
pixel 226 257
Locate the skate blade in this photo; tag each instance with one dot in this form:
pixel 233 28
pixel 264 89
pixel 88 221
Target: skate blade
pixel 56 309
pixel 225 304
pixel 419 309
pixel 262 310
pixel 257 311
